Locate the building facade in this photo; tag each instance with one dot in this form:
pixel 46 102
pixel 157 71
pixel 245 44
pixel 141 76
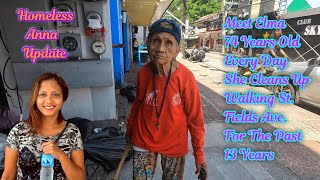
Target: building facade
pixel 209 32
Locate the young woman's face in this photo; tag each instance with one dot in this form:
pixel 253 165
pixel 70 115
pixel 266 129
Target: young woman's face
pixel 163 48
pixel 50 98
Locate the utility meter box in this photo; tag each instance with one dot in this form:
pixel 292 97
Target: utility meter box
pixel 93 17
pixel 67 6
pixel 90 72
pixel 72 43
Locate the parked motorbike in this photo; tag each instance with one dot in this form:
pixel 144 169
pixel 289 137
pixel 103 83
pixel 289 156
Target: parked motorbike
pixel 247 72
pixel 197 55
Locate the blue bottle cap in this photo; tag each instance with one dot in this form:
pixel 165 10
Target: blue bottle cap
pixel 47 160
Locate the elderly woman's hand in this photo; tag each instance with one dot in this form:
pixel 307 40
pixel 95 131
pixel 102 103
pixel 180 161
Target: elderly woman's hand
pixel 52 148
pixel 204 166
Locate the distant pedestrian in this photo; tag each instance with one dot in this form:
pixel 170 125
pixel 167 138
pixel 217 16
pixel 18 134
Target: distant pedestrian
pixel 241 50
pixel 167 105
pixel 277 51
pixel 135 42
pixel 135 45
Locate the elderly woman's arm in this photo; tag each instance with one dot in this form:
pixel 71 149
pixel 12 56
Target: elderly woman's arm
pixel 195 121
pixel 10 164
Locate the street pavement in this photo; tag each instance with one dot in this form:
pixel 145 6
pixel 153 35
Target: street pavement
pixel 292 160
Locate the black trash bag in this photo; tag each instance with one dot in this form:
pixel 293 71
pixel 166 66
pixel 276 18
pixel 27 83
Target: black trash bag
pixel 3 141
pixel 85 126
pixel 95 171
pixel 108 132
pixel 144 58
pixel 8 120
pixel 129 91
pixel 106 148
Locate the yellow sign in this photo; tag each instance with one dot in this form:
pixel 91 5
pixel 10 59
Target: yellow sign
pixel 266 35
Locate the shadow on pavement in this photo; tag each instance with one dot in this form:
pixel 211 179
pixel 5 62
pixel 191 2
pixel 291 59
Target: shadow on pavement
pixel 310 108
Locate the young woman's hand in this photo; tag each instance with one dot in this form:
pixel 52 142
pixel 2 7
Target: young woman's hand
pixel 52 148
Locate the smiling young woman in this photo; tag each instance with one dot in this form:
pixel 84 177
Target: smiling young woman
pixel 45 131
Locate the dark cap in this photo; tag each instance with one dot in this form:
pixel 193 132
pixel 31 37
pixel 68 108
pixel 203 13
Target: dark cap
pixel 165 25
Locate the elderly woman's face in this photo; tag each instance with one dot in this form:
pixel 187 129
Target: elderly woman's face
pixel 162 48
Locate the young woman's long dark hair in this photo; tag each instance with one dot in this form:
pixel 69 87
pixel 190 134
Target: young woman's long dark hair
pixel 34 119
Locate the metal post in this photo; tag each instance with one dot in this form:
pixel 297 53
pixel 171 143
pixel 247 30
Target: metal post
pixel 184 14
pixel 223 22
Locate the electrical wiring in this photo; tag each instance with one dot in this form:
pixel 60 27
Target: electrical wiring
pixel 13 103
pixel 3 76
pixel 20 101
pixel 4 43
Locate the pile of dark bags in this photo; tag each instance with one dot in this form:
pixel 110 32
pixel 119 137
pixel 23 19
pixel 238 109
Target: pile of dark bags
pixel 8 119
pixel 3 139
pixel 129 91
pixel 103 149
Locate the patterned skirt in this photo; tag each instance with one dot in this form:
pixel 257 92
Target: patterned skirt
pixel 145 163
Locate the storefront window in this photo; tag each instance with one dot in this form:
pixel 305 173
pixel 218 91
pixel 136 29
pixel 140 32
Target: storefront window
pixel 219 24
pixel 207 42
pixel 212 25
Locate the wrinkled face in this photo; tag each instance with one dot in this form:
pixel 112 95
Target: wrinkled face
pixel 50 98
pixel 162 48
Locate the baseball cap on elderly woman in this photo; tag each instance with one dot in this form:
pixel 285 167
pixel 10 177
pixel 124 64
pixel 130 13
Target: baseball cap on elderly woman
pixel 165 25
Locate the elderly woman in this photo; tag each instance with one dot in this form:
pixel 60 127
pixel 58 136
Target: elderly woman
pixel 167 105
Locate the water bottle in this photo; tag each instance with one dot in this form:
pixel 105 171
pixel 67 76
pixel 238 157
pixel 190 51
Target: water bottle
pixel 47 163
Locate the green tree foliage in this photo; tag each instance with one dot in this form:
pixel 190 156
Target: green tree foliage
pixel 195 8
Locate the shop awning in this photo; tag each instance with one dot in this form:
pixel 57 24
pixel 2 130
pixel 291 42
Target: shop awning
pixel 145 12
